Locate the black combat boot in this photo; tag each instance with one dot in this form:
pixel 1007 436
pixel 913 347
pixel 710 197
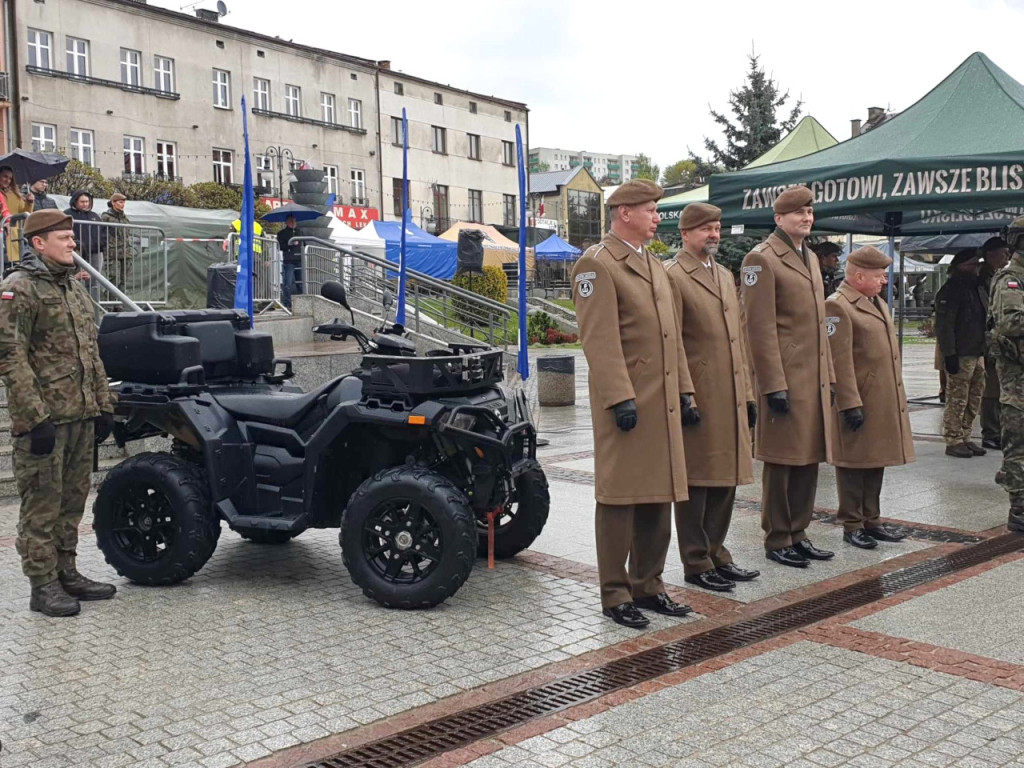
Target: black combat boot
pixel 51 600
pixel 1015 522
pixel 79 586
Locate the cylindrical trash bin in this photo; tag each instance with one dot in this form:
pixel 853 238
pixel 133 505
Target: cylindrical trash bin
pixel 220 286
pixel 556 380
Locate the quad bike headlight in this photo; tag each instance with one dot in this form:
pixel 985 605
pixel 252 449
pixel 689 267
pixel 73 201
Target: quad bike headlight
pixel 464 421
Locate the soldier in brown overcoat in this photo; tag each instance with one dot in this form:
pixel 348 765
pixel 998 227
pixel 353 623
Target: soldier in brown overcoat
pixel 785 309
pixel 718 448
pixel 639 394
pixel 870 425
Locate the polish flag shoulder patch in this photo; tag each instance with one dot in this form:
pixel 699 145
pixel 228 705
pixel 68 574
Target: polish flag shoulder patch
pixel 7 296
pixel 1011 283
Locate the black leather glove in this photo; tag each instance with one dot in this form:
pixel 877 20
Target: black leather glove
pixel 102 426
pixel 832 393
pixel 778 401
pixel 952 363
pixel 625 415
pixel 854 418
pixel 691 416
pixel 751 415
pixel 42 438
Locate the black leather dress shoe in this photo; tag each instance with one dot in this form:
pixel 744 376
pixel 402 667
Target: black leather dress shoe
pixel 627 615
pixel 734 573
pixel 885 533
pixel 663 604
pixel 787 556
pixel 811 552
pixel 711 580
pixel 859 539
pixel 992 442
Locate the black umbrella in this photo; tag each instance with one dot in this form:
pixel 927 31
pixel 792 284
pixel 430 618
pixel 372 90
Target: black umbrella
pixel 300 212
pixel 33 166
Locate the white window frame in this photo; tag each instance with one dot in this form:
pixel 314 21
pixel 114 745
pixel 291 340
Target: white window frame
pixel 261 93
pixel 328 111
pixel 396 131
pixel 44 137
pixel 439 132
pixel 476 211
pixel 163 77
pixel 508 153
pixel 224 168
pixel 263 167
pixel 167 158
pixel 474 146
pixel 40 48
pixel 77 56
pixel 358 177
pixel 82 144
pixel 293 100
pixel 221 80
pixel 331 174
pixel 355 113
pixel 131 65
pixel 134 149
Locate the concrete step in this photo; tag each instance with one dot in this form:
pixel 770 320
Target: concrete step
pixel 286 330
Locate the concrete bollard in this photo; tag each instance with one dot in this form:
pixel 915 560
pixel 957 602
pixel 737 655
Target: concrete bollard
pixel 556 380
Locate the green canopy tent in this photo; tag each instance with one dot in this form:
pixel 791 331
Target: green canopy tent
pixel 806 137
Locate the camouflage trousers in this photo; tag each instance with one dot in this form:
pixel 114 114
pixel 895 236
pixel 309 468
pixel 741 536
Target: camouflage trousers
pixel 1011 402
pixel 53 490
pixel 118 270
pixel 963 399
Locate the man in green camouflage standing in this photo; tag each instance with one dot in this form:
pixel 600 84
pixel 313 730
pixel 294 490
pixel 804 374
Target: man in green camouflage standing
pixel 1007 311
pixel 59 402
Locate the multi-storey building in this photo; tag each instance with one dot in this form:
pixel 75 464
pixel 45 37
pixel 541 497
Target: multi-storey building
pixel 607 169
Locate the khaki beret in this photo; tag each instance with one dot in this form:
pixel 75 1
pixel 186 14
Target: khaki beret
pixel 635 192
pixel 48 220
pixel 117 196
pixel 698 214
pixel 793 199
pixel 869 257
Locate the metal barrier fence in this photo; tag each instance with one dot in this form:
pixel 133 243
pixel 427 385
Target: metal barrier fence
pixel 132 257
pixel 267 279
pixel 11 239
pixel 429 302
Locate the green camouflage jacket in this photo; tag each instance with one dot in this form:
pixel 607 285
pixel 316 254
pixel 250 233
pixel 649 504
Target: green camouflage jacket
pixel 49 356
pixel 120 243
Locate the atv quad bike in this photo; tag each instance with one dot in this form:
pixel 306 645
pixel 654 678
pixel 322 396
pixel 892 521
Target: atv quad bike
pixel 411 457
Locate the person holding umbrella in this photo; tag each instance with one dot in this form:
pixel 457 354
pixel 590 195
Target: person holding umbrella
pixel 14 204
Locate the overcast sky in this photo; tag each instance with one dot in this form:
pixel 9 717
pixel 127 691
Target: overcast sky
pixel 638 77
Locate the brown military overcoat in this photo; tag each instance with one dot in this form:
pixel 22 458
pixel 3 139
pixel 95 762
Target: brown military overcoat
pixel 708 311
pixel 785 308
pixel 869 375
pixel 634 352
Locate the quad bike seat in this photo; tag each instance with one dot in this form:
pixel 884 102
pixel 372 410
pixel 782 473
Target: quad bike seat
pixel 283 409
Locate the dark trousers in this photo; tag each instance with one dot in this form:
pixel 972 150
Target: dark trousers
pixel 701 525
pixel 787 501
pixel 291 274
pixel 990 428
pixel 859 497
pixel 639 533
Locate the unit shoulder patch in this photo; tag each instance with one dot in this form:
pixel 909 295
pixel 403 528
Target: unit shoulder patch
pixel 750 274
pixel 585 276
pixel 1012 282
pixel 830 324
pixel 585 288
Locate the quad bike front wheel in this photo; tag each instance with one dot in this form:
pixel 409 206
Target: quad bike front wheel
pixel 523 518
pixel 408 538
pixel 153 519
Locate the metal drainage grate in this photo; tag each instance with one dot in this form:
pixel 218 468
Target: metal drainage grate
pixel 913 531
pixel 453 731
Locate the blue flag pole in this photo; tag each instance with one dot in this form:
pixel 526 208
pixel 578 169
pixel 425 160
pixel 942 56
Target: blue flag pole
pixel 247 217
pixel 406 214
pixel 523 363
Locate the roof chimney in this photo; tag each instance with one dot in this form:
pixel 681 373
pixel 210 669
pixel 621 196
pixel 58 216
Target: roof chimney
pixel 207 15
pixel 874 113
pixel 854 128
pixel 385 64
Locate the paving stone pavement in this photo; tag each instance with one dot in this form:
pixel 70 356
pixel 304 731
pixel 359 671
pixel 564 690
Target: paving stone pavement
pixel 804 706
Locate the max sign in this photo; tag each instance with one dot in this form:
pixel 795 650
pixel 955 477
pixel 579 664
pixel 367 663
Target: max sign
pixel 350 215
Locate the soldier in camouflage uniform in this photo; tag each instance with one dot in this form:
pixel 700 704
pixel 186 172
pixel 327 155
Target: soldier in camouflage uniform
pixel 120 254
pixel 1007 311
pixel 59 400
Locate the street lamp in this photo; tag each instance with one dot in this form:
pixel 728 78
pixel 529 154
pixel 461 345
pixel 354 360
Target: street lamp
pixel 426 214
pixel 280 154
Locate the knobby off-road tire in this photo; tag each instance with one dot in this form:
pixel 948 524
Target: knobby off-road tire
pixel 529 513
pixel 408 538
pixel 267 537
pixel 153 519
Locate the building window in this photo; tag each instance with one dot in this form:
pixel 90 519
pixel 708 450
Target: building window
pixel 221 89
pixel 293 100
pixel 358 186
pixel 83 146
pixel 509 205
pixel 438 99
pixel 355 113
pixel 261 93
pixel 264 167
pixel 584 216
pixel 39 49
pixel 472 107
pixel 440 140
pixel 78 56
pixel 163 74
pixel 474 146
pixel 508 153
pixel 399 89
pixel 134 154
pixel 476 205
pixel 131 67
pixel 441 212
pixel 166 159
pixel 327 107
pixel 508 116
pixel 44 137
pixel 396 131
pixel 331 171
pixel 396 195
pixel 222 166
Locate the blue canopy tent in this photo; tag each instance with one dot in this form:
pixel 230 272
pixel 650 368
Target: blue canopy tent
pixel 556 249
pixel 424 252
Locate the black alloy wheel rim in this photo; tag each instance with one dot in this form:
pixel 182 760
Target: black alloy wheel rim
pixel 143 523
pixel 402 542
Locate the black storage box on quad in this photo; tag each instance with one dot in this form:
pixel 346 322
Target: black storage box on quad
pixel 145 347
